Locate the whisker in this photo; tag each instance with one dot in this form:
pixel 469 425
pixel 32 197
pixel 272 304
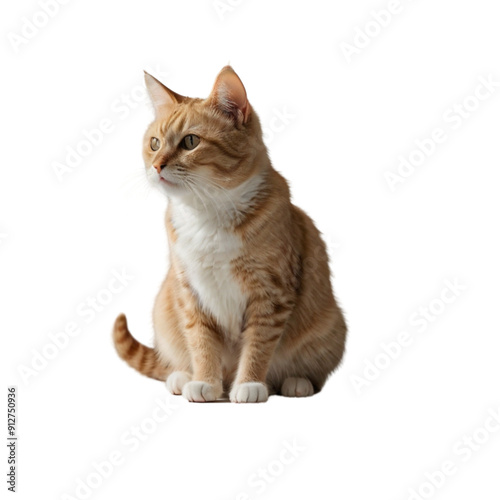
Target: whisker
pixel 136 184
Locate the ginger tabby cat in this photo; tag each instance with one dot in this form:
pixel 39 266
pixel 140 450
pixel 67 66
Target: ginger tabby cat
pixel 247 308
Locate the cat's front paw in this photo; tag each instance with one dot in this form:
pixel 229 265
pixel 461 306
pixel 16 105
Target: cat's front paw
pixel 176 381
pixel 201 392
pixel 249 392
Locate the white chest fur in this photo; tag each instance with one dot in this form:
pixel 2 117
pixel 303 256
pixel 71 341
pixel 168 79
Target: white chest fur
pixel 206 251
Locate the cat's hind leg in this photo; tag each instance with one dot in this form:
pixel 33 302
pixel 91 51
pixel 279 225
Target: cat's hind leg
pixel 297 387
pixel 176 381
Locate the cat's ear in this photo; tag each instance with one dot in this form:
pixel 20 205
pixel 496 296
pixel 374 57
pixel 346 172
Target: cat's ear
pixel 163 98
pixel 229 95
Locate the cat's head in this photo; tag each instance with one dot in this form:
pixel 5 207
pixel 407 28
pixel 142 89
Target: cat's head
pixel 196 145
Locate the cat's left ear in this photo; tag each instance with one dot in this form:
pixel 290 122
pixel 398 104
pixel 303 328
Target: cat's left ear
pixel 229 95
pixel 163 99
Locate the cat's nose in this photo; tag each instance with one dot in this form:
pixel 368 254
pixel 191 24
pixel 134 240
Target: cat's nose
pixel 159 168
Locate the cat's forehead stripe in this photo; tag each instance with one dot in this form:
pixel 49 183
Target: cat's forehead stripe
pixel 171 122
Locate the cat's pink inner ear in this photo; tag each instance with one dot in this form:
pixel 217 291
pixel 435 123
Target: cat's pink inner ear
pixel 163 99
pixel 229 94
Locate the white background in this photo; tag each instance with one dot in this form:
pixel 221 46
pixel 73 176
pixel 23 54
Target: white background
pixel 392 250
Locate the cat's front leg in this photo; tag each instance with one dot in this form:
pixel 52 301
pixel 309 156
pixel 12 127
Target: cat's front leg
pixel 205 347
pixel 265 324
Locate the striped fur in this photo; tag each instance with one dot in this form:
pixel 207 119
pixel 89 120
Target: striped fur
pixel 143 359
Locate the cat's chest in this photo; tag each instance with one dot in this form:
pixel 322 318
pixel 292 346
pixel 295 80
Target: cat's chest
pixel 206 252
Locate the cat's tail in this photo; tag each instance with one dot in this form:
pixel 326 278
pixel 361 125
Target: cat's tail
pixel 138 356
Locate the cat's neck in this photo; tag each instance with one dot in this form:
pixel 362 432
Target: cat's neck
pixel 224 208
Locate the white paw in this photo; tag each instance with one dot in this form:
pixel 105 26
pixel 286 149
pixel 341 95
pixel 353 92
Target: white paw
pixel 176 381
pixel 200 392
pixel 249 392
pixel 296 387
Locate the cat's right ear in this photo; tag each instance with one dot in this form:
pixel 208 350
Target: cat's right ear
pixel 163 99
pixel 229 95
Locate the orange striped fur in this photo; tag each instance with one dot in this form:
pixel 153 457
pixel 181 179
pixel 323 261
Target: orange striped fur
pixel 247 308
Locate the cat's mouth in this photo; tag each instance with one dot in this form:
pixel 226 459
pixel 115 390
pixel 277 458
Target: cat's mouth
pixel 168 182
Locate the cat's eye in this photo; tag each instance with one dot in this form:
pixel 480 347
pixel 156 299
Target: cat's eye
pixel 190 142
pixel 155 143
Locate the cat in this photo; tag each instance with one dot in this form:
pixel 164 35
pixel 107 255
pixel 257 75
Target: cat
pixel 247 308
